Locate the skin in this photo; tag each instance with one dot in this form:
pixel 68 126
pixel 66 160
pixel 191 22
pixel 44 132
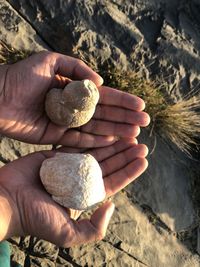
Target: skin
pixel 25 207
pixel 30 209
pixel 23 87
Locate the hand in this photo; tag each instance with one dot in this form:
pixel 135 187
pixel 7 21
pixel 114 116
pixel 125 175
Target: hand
pixel 26 208
pixel 23 87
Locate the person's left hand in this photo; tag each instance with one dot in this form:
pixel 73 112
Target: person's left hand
pixel 26 208
pixel 23 87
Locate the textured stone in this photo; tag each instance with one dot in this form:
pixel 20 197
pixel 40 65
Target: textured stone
pixel 132 240
pixel 16 240
pixel 18 256
pixel 45 249
pixel 60 262
pixel 25 242
pixel 74 180
pixel 73 106
pixel 165 186
pixel 39 262
pixel 139 238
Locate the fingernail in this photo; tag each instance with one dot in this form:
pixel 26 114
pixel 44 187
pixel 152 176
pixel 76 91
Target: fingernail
pixel 136 141
pixel 101 81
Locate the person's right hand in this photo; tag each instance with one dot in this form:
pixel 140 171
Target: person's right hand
pixel 26 208
pixel 23 87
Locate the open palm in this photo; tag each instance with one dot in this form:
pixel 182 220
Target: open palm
pixel 33 210
pixel 22 114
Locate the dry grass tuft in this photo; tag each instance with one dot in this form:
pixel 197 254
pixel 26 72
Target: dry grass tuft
pixel 132 83
pixel 9 55
pixel 178 122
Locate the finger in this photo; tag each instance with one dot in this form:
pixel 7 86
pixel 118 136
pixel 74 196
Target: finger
pixel 106 152
pixel 110 128
pixel 120 160
pixel 116 114
pixel 75 69
pixel 86 231
pixel 82 140
pixel 120 179
pixel 60 135
pixel 114 97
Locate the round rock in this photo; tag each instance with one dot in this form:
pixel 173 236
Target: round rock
pixel 74 105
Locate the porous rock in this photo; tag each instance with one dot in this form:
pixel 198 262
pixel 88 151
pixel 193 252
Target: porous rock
pixel 74 105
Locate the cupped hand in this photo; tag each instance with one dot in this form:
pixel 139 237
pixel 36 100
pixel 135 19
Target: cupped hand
pixel 23 87
pixel 29 209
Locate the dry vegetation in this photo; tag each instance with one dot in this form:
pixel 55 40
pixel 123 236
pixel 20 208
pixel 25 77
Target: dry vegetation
pixel 178 122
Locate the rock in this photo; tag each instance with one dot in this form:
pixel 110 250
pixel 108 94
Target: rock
pixel 39 262
pixel 74 180
pixel 18 256
pixel 16 240
pixel 103 253
pixel 166 190
pixel 45 249
pixel 26 242
pixel 73 106
pixel 60 262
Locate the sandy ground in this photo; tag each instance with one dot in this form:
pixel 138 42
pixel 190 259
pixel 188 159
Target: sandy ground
pixel 156 221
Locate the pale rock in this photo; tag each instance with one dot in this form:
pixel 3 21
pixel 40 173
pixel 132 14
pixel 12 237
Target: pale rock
pixel 74 180
pixel 74 105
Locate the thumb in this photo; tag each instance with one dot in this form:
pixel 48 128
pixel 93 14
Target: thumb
pixel 86 230
pixel 75 69
pixel 101 218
